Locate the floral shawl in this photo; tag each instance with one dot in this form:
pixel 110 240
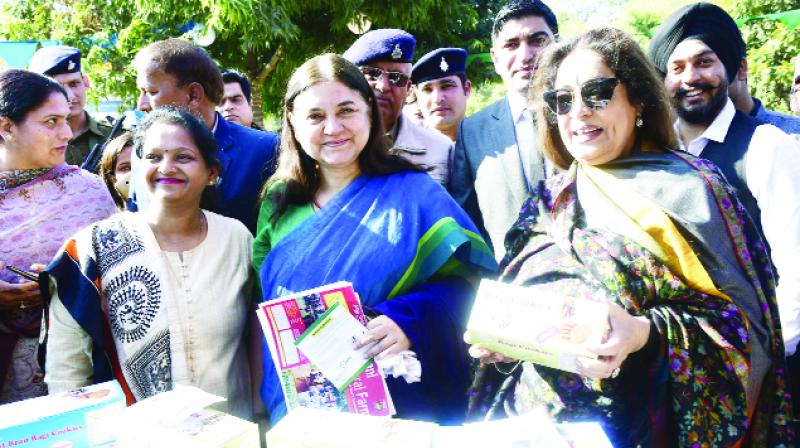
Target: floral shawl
pixel 712 373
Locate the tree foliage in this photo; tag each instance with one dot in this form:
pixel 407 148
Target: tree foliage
pixel 266 39
pixel 771 49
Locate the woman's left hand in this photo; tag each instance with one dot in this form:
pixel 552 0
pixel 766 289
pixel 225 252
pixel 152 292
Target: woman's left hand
pixel 628 335
pixel 386 336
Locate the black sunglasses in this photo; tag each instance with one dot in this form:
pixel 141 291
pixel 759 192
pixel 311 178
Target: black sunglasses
pixel 595 94
pixel 373 74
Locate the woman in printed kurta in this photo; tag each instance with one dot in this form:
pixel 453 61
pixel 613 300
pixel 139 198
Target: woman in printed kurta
pixel 159 297
pixel 42 202
pixel 693 355
pixel 341 208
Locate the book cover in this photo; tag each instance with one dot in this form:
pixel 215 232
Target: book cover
pixel 537 323
pixel 284 320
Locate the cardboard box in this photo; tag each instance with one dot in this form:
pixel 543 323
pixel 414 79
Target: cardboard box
pixel 316 428
pixel 536 323
pixel 71 419
pixel 182 417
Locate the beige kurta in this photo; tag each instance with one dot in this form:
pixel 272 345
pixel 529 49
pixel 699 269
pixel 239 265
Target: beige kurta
pixel 194 303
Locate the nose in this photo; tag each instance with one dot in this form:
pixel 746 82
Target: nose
pixel 332 126
pixel 527 51
pixel 382 83
pixel 65 133
pixel 579 108
pixel 143 104
pixel 438 96
pixel 690 75
pixel 166 166
pixel 227 105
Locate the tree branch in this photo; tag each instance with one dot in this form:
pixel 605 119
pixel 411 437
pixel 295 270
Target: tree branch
pixel 270 67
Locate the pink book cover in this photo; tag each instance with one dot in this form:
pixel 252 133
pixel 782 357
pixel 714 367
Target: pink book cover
pixel 286 318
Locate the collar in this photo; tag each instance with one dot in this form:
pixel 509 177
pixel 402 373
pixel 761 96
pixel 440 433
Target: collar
pixel 395 130
pixel 221 132
pixel 216 121
pixel 718 128
pixel 758 107
pixel 518 106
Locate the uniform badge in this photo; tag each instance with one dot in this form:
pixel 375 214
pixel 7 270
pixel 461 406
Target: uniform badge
pixel 397 53
pixel 71 65
pixel 443 65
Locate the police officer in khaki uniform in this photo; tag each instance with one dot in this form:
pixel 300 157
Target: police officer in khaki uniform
pixel 63 64
pixel 384 57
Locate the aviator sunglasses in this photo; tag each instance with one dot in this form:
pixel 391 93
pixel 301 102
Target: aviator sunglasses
pixel 595 94
pixel 373 74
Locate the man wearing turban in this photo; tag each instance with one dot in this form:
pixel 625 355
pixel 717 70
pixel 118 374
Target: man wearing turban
pixel 699 50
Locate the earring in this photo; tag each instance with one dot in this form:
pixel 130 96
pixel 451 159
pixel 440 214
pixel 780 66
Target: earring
pixel 639 121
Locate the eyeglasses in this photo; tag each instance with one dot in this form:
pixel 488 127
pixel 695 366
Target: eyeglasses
pixel 595 94
pixel 373 74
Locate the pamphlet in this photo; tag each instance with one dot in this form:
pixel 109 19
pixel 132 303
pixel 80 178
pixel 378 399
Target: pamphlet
pixel 328 343
pixel 537 323
pixel 285 320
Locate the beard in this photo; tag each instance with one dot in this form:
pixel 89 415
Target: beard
pixel 703 113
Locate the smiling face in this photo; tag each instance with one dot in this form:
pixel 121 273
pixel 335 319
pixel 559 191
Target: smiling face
pixel 40 139
pixel 594 136
pixel 516 49
pixel 696 82
pixel 76 85
pixel 443 102
pixel 331 123
pixel 174 169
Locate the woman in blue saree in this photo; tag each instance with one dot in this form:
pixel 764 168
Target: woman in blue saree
pixel 340 207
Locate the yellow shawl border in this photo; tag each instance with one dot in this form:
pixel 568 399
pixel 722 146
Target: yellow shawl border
pixel 680 257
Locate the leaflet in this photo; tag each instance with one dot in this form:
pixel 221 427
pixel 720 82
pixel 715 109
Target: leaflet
pixel 304 384
pixel 328 343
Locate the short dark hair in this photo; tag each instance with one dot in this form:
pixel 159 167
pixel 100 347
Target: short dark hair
pixel 630 65
pixel 185 61
pixel 516 9
pixel 296 168
pixel 199 133
pixel 22 91
pixel 230 75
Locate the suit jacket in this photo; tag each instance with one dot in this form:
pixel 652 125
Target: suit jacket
pixel 425 147
pixel 247 158
pixel 487 178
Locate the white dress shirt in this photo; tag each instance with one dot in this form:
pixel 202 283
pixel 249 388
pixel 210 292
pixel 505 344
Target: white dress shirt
pixel 772 164
pixel 525 133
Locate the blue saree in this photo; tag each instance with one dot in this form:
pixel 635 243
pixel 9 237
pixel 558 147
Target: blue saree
pixel 411 253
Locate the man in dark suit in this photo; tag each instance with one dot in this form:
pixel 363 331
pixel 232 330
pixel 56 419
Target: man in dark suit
pixel 496 162
pixel 178 73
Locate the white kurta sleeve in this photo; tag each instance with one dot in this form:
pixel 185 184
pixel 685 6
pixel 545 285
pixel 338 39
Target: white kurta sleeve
pixel 69 360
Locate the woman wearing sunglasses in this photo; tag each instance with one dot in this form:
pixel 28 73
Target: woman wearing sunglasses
pixel 692 353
